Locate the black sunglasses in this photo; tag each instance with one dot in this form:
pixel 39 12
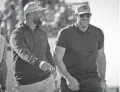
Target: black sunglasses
pixel 85 14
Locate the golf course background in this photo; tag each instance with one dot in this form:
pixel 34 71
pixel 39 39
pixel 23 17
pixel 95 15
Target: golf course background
pixel 105 15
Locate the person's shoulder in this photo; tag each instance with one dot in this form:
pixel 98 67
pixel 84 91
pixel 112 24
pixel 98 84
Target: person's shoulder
pixel 63 31
pixel 67 29
pixel 95 28
pixel 70 26
pixel 21 28
pixel 96 31
pixel 41 28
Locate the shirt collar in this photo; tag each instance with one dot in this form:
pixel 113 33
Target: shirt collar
pixel 88 30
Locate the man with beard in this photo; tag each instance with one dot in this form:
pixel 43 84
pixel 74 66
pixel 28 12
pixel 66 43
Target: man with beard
pixel 79 54
pixel 34 66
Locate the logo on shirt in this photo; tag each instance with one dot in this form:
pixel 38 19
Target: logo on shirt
pixel 41 37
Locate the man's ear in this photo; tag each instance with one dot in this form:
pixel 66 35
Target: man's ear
pixel 75 16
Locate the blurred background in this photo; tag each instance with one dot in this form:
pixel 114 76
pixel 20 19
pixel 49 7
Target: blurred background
pixel 105 15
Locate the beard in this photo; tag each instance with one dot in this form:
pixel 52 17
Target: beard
pixel 83 27
pixel 38 22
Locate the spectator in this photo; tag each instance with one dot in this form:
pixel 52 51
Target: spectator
pixel 10 18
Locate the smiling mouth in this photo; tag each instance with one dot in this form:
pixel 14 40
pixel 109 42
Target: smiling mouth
pixel 84 21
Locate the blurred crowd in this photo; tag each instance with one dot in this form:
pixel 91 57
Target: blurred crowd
pixel 58 15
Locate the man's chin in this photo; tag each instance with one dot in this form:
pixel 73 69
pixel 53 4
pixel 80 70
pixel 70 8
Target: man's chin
pixel 84 29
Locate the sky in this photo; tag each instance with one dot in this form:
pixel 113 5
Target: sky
pixel 105 16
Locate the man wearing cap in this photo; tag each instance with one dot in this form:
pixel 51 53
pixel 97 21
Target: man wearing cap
pixel 3 58
pixel 79 54
pixel 34 66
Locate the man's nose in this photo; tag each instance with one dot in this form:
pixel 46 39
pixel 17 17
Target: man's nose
pixel 85 17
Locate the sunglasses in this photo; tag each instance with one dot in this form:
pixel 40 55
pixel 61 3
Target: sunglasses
pixel 86 14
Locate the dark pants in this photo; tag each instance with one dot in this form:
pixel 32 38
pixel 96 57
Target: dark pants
pixel 89 85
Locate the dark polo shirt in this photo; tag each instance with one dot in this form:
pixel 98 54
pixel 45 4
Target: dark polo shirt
pixel 81 49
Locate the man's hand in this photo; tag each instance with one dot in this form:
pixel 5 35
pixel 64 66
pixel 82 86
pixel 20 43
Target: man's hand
pixel 45 66
pixel 53 71
pixel 72 83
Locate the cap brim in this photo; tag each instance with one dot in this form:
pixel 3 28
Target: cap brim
pixel 43 9
pixel 38 9
pixel 83 13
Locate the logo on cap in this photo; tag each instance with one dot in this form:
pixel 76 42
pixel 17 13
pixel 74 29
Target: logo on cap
pixel 85 7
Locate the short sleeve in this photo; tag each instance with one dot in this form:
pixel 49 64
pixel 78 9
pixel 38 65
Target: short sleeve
pixel 62 39
pixel 100 40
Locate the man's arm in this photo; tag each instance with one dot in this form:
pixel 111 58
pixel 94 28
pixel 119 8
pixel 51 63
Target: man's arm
pixel 62 43
pixel 58 57
pixel 60 49
pixel 17 42
pixel 101 60
pixel 101 63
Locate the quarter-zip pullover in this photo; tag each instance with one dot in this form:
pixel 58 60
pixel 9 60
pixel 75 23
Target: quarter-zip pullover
pixel 29 49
